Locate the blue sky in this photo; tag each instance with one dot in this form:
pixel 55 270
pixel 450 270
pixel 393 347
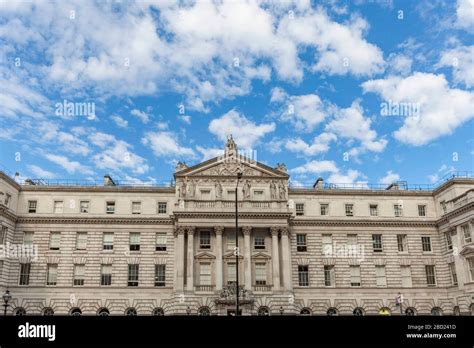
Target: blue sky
pixel 303 83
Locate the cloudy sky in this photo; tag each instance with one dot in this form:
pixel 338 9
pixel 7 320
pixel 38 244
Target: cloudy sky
pixel 353 91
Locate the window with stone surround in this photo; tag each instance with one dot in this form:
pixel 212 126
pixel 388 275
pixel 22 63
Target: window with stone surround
pixel 405 273
pixel 84 207
pixel 470 262
pixel 260 273
pixel 79 274
pixel 380 276
pixel 51 274
pixel 349 209
pixel 426 244
pixel 136 207
pixel 32 205
pixel 205 240
pixel 161 240
pixel 373 210
pixel 231 273
pixel 160 275
pixel 466 233
pixel 108 241
pixel 162 207
pixel 421 210
pixel 58 207
pixel 25 269
pixel 299 209
pixel 430 275
pixel 3 234
pixel 329 276
pixel 134 241
pixel 81 240
pixel 301 242
pixel 105 275
pixel 402 243
pixel 133 273
pixel 355 275
pixel 449 240
pixel 110 207
pixel 205 273
pixel 377 243
pixel 259 242
pixel 54 240
pixel 27 238
pixel 452 271
pixel 324 209
pixel 398 210
pixel 303 275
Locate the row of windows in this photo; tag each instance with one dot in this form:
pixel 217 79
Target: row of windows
pixel 261 311
pixel 355 276
pixel 105 274
pixel 377 242
pixel 349 209
pixel 84 207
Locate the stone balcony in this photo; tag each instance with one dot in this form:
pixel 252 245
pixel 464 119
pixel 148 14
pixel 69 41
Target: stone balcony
pixel 226 205
pixel 204 288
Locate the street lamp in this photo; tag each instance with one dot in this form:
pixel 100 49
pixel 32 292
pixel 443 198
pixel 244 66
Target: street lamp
pixel 281 310
pixel 399 302
pixel 6 298
pixel 188 310
pixel 239 176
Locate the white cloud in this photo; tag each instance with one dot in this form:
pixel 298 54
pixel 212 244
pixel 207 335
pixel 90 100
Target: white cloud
pixel 185 118
pixel 389 178
pixel 465 14
pixel 116 154
pixel 399 64
pixel 141 115
pixel 336 176
pixel 164 144
pixel 461 60
pixel 349 178
pixel 442 171
pixel 320 144
pixel 71 167
pixel 209 152
pixel 119 121
pixel 442 109
pixel 351 124
pixel 40 172
pixel 245 132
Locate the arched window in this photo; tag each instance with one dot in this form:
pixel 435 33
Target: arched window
pixel 103 312
pixel 48 312
pixel 204 311
pixel 471 307
pixel 436 311
pixel 456 310
pixel 332 312
pixel 75 312
pixel 131 311
pixel 20 311
pixel 158 312
pixel 385 311
pixel 263 311
pixel 358 312
pixel 410 311
pixel 305 311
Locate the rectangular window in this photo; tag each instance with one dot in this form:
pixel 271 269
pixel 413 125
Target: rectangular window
pixel 136 207
pixel 452 271
pixel 405 272
pixel 231 273
pixel 25 269
pixel 299 209
pixel 32 205
pixel 27 238
pixel 324 209
pixel 471 267
pixel 398 210
pixel 8 198
pixel 134 241
pixel 161 240
pixel 259 242
pixel 205 273
pixel 133 272
pixel 355 275
pixel 466 234
pixel 162 206
pixel 106 275
pixel 301 243
pixel 352 239
pixel 421 210
pixel 3 234
pixel 426 243
pixel 327 244
pixel 377 243
pixel 54 240
pixel 430 275
pixel 58 207
pixel 444 208
pixel 260 274
pixel 81 240
pixel 449 240
pixel 349 208
pixel 230 241
pixel 160 277
pixel 79 271
pixel 373 210
pixel 402 243
pixel 206 194
pixel 258 194
pixel 205 240
pixel 108 241
pixel 52 274
pixel 329 276
pixel 381 278
pixel 303 275
pixel 110 207
pixel 84 206
pixel 231 193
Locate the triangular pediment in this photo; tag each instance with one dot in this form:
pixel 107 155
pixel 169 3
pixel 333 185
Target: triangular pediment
pixel 231 255
pixel 204 255
pixel 230 166
pixel 261 256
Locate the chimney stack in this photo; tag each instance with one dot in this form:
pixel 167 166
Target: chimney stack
pixel 319 184
pixel 108 181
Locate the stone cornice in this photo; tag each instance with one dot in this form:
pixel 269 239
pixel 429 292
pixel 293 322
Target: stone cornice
pixel 365 222
pixel 94 220
pixel 355 193
pixel 231 215
pixel 5 212
pixel 9 180
pixel 109 189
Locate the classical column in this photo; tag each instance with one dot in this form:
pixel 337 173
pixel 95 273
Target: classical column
pixel 179 258
pixel 219 230
pixel 190 258
pixel 247 230
pixel 286 258
pixel 275 258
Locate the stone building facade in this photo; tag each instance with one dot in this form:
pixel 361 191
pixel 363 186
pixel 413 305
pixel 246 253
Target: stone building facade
pixel 147 250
